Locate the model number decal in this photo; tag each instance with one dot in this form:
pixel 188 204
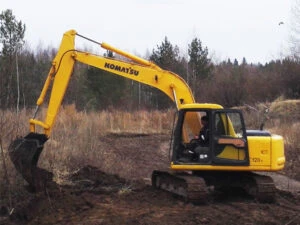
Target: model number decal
pixel 256 160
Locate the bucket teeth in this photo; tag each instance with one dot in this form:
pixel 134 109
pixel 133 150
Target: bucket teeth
pixel 24 153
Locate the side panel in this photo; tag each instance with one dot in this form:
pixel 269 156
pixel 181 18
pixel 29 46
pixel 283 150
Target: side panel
pixel 259 150
pixel 277 157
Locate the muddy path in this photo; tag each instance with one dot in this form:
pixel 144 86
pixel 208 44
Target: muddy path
pixel 91 196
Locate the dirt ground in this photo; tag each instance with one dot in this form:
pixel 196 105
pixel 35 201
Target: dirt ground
pixel 91 196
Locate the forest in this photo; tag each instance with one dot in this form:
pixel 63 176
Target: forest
pixel 229 82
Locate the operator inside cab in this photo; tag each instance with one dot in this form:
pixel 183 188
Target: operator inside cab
pixel 197 150
pixel 204 131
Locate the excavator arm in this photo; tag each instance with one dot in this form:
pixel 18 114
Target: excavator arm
pixel 24 152
pixel 133 68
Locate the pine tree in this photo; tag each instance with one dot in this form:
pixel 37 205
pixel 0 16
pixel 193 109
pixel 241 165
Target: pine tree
pixel 199 62
pixel 167 57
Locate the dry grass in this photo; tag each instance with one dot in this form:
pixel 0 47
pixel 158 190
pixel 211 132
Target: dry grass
pixel 75 140
pixel 290 131
pixel 286 109
pixel 11 124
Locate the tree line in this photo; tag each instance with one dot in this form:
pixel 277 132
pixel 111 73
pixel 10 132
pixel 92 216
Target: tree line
pixel 23 71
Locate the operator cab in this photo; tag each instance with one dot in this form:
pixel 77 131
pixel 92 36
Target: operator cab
pixel 222 141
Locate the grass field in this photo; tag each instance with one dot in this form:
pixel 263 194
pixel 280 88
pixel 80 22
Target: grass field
pixel 75 138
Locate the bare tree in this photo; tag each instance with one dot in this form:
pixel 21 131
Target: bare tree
pixel 11 37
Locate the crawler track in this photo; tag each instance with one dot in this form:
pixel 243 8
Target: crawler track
pixel 261 187
pixel 191 188
pixel 194 188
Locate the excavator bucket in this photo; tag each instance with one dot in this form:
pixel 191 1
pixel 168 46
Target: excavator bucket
pixel 24 152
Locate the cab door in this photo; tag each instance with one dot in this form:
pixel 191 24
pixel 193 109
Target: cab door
pixel 229 141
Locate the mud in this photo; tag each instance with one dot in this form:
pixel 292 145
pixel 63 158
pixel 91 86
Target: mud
pixel 91 196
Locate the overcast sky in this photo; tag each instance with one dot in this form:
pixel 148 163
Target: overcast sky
pixel 230 29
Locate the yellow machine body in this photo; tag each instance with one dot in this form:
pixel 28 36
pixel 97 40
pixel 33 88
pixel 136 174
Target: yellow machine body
pixel 260 153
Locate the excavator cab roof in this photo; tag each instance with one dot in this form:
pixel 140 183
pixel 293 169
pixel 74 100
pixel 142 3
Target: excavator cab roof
pixel 201 106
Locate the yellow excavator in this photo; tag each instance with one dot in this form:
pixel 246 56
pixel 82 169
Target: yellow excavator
pixel 225 156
